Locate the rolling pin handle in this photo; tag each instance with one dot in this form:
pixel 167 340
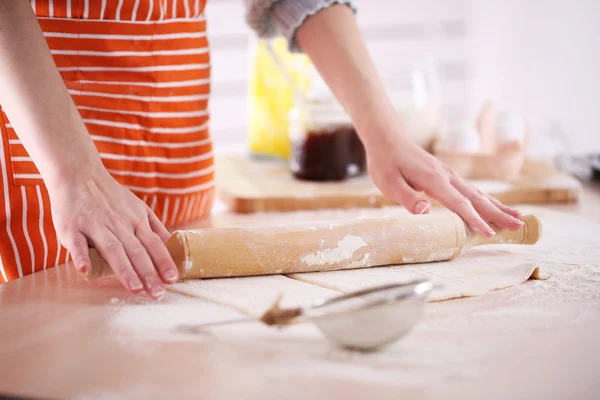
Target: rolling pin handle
pixel 529 233
pixel 176 246
pixel 533 229
pixel 99 267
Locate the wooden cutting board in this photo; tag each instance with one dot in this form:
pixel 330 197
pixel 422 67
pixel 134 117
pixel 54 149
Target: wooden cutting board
pixel 249 185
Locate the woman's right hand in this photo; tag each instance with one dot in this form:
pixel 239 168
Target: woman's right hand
pixel 89 208
pixel 94 210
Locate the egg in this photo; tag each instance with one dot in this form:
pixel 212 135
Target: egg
pixel 510 128
pixel 462 138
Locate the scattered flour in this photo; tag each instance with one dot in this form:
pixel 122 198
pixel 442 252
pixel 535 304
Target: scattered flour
pixel 362 263
pixel 345 249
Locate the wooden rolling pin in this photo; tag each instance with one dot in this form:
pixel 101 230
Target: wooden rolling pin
pixel 325 246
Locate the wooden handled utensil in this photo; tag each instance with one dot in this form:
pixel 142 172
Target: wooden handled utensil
pixel 326 246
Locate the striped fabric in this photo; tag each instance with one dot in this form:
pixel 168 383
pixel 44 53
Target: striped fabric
pixel 139 73
pixel 270 18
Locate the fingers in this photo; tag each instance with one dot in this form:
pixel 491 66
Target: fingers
pixel 401 192
pixel 157 226
pixel 77 245
pixel 158 252
pixel 153 240
pixel 487 209
pixel 123 229
pixel 136 254
pixel 420 171
pixel 113 251
pixel 140 260
pixel 450 197
pixel 510 211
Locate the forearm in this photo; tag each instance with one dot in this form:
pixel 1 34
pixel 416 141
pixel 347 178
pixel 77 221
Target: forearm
pixel 402 170
pixel 332 40
pixel 35 98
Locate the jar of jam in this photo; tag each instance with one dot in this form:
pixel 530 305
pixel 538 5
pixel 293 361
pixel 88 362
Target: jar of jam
pixel 325 145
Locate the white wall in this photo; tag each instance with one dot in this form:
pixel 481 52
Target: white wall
pixel 542 59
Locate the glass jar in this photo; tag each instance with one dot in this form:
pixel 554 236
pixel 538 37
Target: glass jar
pixel 414 89
pixel 325 145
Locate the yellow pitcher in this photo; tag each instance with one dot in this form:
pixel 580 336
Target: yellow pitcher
pixel 276 75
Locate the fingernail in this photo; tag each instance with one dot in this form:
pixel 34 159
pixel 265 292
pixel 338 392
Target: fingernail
pixel 135 284
pixel 171 275
pixel 165 236
pixel 517 221
pixel 487 230
pixel 158 292
pixel 84 271
pixel 421 207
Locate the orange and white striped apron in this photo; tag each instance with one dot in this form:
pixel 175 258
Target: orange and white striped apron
pixel 138 71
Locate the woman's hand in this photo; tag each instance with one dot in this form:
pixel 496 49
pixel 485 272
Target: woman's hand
pixel 403 171
pixel 400 168
pixel 88 206
pixel 95 210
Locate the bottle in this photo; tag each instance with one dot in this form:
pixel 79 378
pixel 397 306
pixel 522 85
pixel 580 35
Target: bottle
pixel 275 75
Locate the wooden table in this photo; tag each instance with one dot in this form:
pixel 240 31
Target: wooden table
pixel 65 338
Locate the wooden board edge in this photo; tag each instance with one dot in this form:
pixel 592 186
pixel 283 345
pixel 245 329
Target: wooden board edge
pixel 288 204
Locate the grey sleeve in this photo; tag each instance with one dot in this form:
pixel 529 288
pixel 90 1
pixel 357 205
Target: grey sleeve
pixel 269 18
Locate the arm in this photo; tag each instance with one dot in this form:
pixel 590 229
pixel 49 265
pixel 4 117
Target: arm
pixel 402 170
pixel 88 206
pixel 34 95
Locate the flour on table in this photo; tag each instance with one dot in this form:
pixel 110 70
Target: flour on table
pixel 139 319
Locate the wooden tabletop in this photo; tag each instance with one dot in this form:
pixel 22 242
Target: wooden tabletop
pixel 62 337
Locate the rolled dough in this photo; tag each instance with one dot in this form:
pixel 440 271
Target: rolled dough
pixel 253 295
